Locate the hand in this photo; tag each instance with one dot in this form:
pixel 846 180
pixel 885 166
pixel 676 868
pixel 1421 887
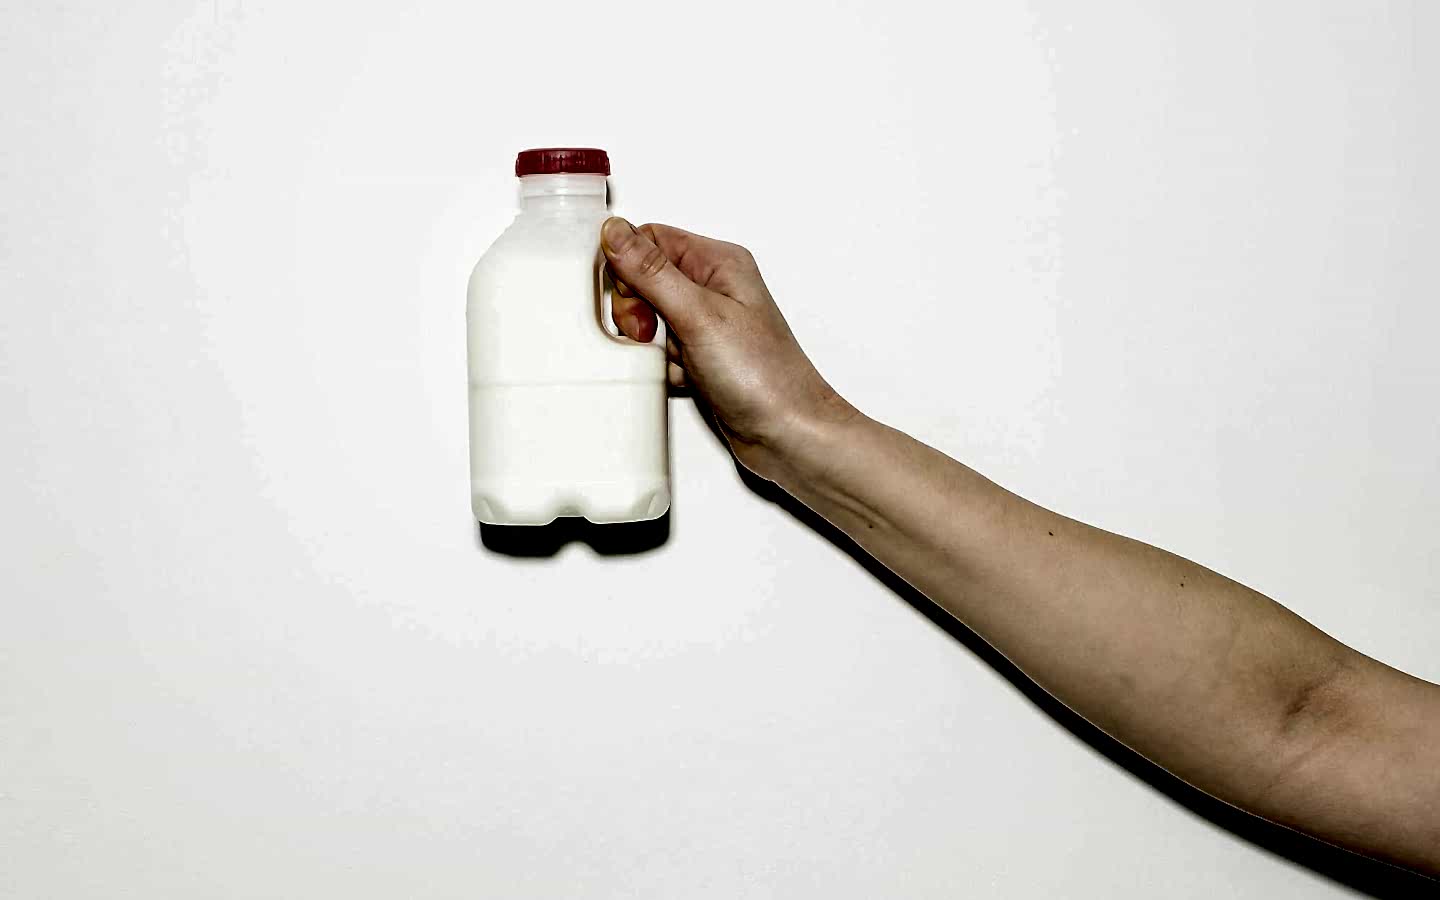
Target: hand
pixel 726 337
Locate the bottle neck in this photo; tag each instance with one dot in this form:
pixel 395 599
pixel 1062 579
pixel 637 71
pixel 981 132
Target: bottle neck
pixel 562 193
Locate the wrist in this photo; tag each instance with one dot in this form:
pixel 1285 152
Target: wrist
pixel 799 439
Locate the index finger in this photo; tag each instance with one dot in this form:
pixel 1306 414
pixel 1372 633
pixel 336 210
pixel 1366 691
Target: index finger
pixel 704 260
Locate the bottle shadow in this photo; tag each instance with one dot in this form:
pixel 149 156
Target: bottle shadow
pixel 1357 872
pixel 539 541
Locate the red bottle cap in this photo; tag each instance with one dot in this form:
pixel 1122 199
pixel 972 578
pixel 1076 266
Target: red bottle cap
pixel 562 161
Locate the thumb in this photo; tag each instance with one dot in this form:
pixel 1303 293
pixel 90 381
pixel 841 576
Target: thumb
pixel 638 262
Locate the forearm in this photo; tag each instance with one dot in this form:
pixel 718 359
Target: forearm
pixel 1195 671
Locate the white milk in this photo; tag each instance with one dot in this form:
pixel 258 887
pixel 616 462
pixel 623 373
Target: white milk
pixel 566 419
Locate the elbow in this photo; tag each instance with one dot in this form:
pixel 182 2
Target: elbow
pixel 1321 699
pixel 1313 713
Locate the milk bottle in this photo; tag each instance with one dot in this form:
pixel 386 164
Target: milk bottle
pixel 567 418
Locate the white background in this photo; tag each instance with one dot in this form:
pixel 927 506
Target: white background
pixel 1166 267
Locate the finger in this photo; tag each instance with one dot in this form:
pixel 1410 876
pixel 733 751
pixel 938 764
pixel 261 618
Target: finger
pixel 634 317
pixel 676 376
pixel 708 262
pixel 645 268
pixel 672 348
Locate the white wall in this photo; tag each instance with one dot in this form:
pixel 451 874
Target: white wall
pixel 1167 267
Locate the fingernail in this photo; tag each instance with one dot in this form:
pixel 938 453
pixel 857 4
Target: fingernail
pixel 630 324
pixel 613 230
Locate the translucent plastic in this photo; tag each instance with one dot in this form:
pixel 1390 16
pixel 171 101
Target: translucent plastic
pixel 566 418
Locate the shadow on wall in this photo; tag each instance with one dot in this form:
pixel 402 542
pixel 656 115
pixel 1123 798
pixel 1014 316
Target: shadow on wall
pixel 1352 870
pixel 546 540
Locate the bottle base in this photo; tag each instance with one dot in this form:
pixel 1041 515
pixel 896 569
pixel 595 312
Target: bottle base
pixel 603 503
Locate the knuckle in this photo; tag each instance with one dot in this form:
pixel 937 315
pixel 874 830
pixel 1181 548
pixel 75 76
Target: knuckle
pixel 742 254
pixel 653 262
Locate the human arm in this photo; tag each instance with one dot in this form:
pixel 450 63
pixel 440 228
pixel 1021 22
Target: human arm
pixel 1213 681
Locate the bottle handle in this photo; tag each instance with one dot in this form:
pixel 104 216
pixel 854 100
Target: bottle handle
pixel 607 317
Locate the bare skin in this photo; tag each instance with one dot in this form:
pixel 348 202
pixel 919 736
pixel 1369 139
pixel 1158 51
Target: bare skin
pixel 1213 681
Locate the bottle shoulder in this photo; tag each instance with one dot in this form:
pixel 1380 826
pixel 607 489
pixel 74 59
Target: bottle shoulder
pixel 545 237
pixel 582 223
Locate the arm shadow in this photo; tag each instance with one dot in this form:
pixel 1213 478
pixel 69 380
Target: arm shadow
pixel 1357 872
